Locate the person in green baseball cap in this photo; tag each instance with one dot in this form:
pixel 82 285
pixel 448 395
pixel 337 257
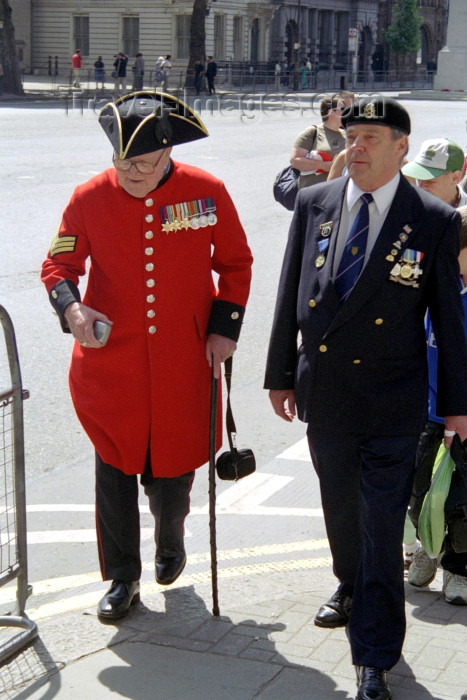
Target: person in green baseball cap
pixel 438 168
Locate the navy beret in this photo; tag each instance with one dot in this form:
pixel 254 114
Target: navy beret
pixel 377 110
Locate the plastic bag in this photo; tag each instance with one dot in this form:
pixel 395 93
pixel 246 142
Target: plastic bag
pixel 431 523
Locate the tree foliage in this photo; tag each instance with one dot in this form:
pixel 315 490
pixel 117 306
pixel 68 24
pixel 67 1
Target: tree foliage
pixel 8 59
pixel 197 37
pixel 403 35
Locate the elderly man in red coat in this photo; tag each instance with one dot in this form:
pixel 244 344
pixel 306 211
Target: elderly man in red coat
pixel 154 231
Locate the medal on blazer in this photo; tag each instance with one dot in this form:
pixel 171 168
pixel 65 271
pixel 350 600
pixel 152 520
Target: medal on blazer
pixel 320 260
pixel 326 229
pixel 323 246
pixel 196 214
pixel 407 270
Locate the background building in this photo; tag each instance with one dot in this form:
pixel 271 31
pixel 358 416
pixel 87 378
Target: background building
pixel 347 36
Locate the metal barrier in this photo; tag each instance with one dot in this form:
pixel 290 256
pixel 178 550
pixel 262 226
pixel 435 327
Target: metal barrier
pixel 13 545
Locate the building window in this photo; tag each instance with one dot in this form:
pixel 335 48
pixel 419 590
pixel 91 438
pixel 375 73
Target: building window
pixel 219 36
pixel 237 38
pixel 81 34
pixel 130 38
pixel 183 36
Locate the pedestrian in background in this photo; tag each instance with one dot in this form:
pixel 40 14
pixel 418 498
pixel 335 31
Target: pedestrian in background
pixel 77 63
pixel 167 68
pixel 277 76
pixel 99 72
pixel 438 168
pixel 366 257
pixel 316 147
pixel 159 72
pixel 211 72
pixel 198 76
pixel 138 72
pixel 119 73
pixel 163 230
pixel 304 73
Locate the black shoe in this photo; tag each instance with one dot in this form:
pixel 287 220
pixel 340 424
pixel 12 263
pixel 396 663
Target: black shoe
pixel 168 569
pixel 334 613
pixel 372 684
pixel 117 601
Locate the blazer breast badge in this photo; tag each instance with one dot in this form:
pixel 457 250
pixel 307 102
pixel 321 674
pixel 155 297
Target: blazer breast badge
pixel 407 269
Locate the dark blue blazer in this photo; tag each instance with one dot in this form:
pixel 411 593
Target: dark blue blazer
pixel 362 365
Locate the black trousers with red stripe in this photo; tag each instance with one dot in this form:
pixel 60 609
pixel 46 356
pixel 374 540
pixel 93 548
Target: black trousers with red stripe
pixel 118 521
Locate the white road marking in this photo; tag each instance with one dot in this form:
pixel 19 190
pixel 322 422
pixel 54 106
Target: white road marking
pixel 299 451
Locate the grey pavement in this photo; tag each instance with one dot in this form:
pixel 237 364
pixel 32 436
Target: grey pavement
pixel 263 645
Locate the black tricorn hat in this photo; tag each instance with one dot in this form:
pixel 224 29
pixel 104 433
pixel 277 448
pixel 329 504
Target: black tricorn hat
pixel 147 121
pixel 377 110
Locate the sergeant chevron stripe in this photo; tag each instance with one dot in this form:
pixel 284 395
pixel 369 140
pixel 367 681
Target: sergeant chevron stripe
pixel 63 244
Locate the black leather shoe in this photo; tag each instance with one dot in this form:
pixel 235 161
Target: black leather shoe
pixel 117 601
pixel 372 684
pixel 334 613
pixel 168 569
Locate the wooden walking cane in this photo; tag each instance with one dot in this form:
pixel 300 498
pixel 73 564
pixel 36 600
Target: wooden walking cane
pixel 212 493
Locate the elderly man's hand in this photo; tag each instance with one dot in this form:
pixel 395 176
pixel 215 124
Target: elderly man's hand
pixel 80 319
pixel 218 349
pixel 283 403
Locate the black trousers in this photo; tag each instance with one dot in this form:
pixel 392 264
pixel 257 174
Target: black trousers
pixel 428 446
pixel 118 522
pixel 365 484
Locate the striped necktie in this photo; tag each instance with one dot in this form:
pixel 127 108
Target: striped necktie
pixel 353 254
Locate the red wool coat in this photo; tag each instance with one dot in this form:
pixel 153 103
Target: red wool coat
pixel 151 271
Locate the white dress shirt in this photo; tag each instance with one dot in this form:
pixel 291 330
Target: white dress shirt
pixel 378 209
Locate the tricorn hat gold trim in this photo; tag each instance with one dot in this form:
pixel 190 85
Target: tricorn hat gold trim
pixel 146 121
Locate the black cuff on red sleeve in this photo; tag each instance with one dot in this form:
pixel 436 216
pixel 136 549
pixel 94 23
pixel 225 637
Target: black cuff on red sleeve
pixel 226 319
pixel 64 293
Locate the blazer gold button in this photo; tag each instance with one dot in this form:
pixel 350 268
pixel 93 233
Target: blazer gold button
pixel 323 348
pixel 150 298
pixel 312 303
pixel 149 218
pixel 149 267
pixel 379 321
pixel 357 362
pixel 150 283
pixel 151 313
pixel 149 235
pixel 234 315
pixel 149 202
pixel 149 251
pixel 152 329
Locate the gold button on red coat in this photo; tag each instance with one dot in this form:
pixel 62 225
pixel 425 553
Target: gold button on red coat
pixel 323 348
pixel 149 235
pixel 152 329
pixel 150 283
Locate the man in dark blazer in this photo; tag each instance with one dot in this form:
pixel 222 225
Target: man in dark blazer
pixel 353 366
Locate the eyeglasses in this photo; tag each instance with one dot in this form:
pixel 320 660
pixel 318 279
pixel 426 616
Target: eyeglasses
pixel 142 166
